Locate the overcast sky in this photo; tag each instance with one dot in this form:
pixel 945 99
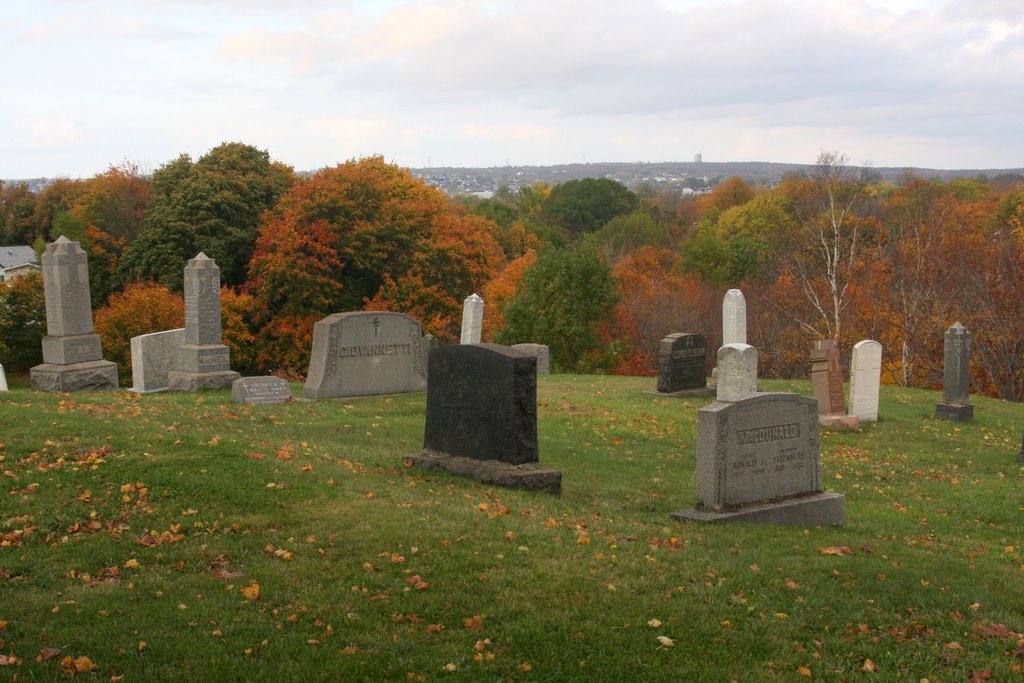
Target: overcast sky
pixel 92 83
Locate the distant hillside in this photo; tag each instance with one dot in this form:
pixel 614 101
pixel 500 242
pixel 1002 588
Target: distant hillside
pixel 691 174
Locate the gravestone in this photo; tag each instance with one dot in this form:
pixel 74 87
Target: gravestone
pixel 363 353
pixel 865 377
pixel 482 417
pixel 827 384
pixel 956 376
pixel 758 460
pixel 737 372
pixel 682 365
pixel 472 319
pixel 539 351
pixel 263 390
pixel 3 379
pixel 734 318
pixel 1020 456
pixel 152 355
pixel 72 352
pixel 202 362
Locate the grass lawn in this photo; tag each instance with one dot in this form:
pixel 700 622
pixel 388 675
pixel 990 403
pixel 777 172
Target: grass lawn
pixel 182 537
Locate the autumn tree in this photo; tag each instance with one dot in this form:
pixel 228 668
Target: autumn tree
pixel 17 209
pixel 213 205
pixel 501 290
pixel 823 249
pixel 565 296
pixel 22 322
pixel 140 309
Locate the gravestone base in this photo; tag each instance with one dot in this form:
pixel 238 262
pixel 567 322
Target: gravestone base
pixel 684 393
pixel 817 509
pixel 531 475
pixel 953 411
pixel 180 380
pixel 96 374
pixel 840 422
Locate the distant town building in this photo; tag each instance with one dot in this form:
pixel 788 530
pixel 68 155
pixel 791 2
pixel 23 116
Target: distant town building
pixel 16 261
pixel 697 158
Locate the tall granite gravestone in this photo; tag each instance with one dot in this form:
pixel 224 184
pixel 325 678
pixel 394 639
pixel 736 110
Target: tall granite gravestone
pixel 363 353
pixel 827 383
pixel 482 417
pixel 202 362
pixel 3 379
pixel 865 377
pixel 152 356
pixel 682 365
pixel 956 376
pixel 541 352
pixel 758 461
pixel 734 318
pixel 472 319
pixel 72 352
pixel 737 372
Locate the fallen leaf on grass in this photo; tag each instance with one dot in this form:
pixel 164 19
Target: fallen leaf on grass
pixel 77 665
pixel 252 591
pixel 48 653
pixel 836 550
pixel 474 623
pixel 9 660
pixel 435 628
pixel 654 623
pixel 804 671
pixel 869 666
pixel 666 641
pixel 221 573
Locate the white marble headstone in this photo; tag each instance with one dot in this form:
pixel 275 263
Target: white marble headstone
pixel 865 377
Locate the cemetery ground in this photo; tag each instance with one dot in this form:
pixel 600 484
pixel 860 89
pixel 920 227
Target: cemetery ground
pixel 181 536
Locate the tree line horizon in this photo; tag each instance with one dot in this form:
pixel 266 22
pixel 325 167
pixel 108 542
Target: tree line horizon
pixel 598 272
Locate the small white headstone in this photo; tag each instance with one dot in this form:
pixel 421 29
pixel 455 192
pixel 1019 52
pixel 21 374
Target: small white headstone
pixel 737 372
pixel 734 318
pixel 865 376
pixel 472 319
pixel 3 379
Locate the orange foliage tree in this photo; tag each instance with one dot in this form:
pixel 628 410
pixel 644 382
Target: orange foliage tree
pixel 656 301
pixel 142 307
pixel 501 290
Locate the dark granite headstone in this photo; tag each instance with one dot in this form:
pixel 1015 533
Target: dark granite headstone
pixel 482 416
pixel 682 362
pixel 1020 456
pixel 758 461
pixel 265 390
pixel 956 376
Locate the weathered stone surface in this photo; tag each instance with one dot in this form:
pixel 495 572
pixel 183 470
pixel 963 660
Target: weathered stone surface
pixel 152 356
pixel 364 353
pixel 202 302
pixel 178 380
pixel 827 378
pixel 3 379
pixel 1020 456
pixel 263 390
pixel 682 362
pixel 839 422
pixel 482 403
pixel 202 362
pixel 472 319
pixel 97 374
pixel 734 318
pixel 66 289
pixel 956 377
pixel 737 372
pixel 79 348
pixel 532 475
pixel 758 461
pixel 72 352
pixel 816 509
pixel 865 378
pixel 539 351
